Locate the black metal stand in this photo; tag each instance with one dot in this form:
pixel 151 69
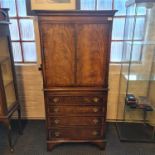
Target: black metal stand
pixel 135 132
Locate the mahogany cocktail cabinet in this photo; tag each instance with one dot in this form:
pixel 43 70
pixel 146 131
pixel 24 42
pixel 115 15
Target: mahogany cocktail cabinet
pixel 75 65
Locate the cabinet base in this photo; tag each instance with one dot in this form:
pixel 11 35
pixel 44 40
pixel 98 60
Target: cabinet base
pixel 101 144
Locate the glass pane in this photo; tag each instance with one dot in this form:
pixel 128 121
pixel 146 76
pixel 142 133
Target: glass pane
pixel 104 4
pixel 14 31
pixel 136 51
pixel 17 52
pixel 87 4
pixel 11 5
pixel 129 28
pixel 150 25
pixel 29 52
pixel 116 51
pixel 10 94
pixel 21 5
pixel 27 29
pixel 139 28
pixel 126 51
pixel 118 28
pixel 120 6
pixel 7 72
pixel 131 10
pixel 141 10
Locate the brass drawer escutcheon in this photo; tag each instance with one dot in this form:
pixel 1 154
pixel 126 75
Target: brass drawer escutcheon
pixel 96 99
pixel 55 99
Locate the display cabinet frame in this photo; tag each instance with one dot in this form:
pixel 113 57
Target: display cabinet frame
pixel 6 58
pixel 135 105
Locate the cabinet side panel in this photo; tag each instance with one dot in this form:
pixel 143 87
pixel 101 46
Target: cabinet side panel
pixel 58 51
pixel 92 54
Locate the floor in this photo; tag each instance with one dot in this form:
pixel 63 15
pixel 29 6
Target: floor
pixel 33 142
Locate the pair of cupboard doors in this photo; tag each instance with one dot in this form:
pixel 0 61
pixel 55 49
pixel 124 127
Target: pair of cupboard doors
pixel 75 50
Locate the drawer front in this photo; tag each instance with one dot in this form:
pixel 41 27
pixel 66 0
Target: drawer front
pixel 71 110
pixel 74 121
pixel 75 133
pixel 70 100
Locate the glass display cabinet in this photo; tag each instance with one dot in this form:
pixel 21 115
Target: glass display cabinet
pixel 8 91
pixel 137 78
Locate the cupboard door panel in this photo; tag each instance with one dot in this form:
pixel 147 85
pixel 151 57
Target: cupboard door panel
pixel 59 51
pixel 92 47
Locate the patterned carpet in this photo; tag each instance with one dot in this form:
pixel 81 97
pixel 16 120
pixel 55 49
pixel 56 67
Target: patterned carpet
pixel 33 142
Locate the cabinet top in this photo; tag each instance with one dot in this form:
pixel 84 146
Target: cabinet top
pixel 109 13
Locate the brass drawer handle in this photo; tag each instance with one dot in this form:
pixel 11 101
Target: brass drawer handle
pixel 55 99
pixel 95 99
pixel 56 109
pixel 94 133
pixel 96 121
pixel 57 134
pixel 56 121
pixel 95 109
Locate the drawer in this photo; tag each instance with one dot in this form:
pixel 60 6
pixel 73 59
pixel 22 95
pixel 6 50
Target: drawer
pixel 75 133
pixel 80 100
pixel 76 109
pixel 74 121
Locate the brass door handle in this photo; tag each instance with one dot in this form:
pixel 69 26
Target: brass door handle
pixel 40 67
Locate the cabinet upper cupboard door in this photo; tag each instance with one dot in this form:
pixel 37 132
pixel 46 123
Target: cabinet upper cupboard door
pixel 59 54
pixel 93 42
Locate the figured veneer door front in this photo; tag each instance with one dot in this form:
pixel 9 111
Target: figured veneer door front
pixel 92 54
pixel 59 54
